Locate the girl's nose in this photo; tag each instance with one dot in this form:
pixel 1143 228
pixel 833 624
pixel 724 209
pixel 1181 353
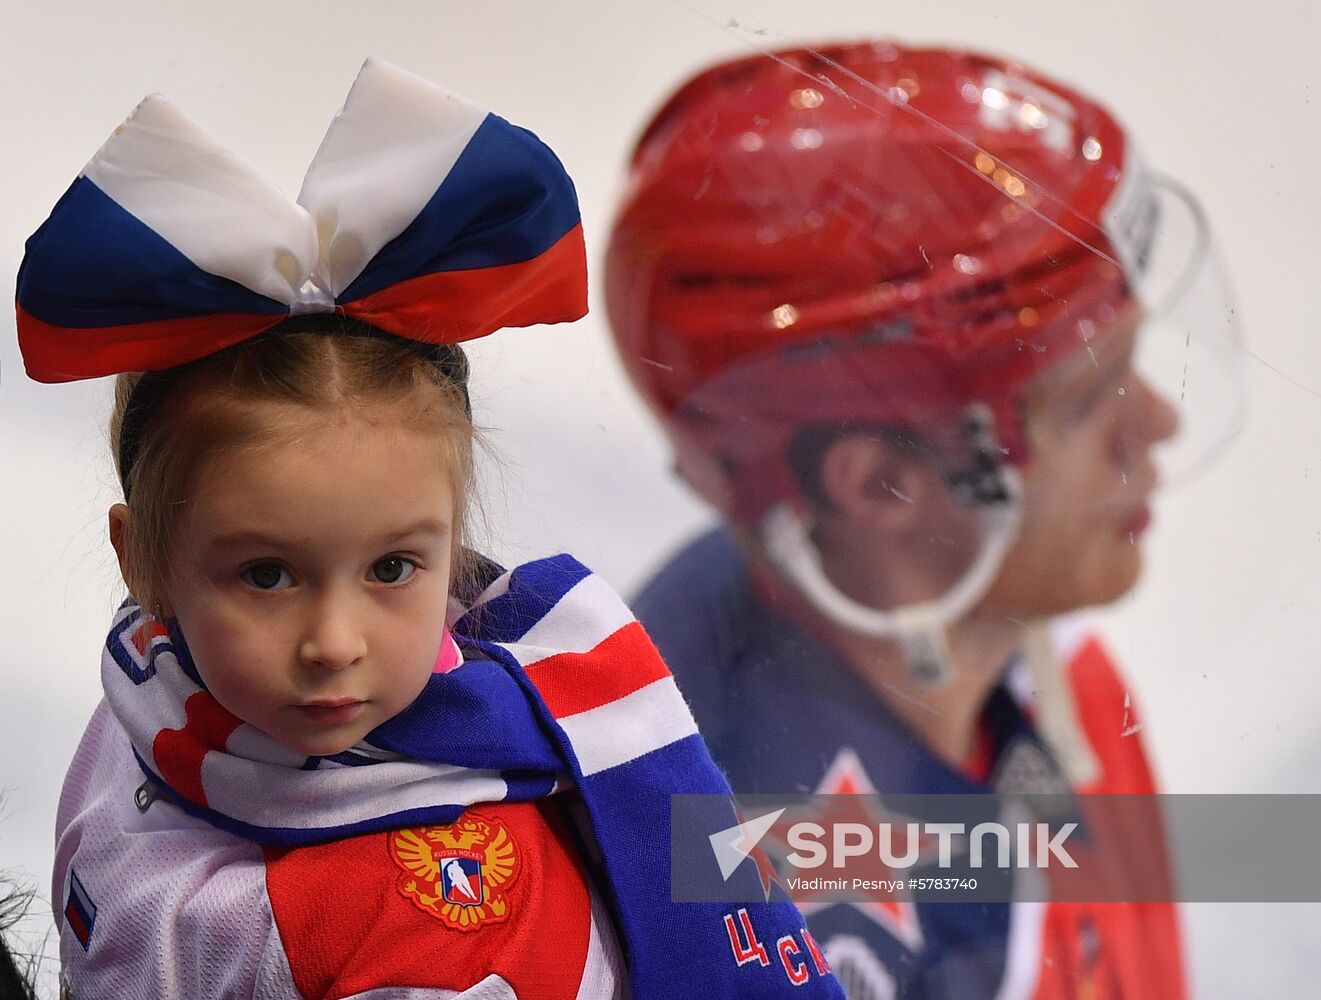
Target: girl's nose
pixel 332 637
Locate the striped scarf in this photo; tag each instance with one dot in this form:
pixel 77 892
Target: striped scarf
pixel 560 687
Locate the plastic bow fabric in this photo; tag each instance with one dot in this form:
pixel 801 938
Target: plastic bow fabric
pixel 421 214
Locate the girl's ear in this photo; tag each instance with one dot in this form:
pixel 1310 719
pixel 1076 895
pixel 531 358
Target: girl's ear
pixel 120 523
pixel 121 540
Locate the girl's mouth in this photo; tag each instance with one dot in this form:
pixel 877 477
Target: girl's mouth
pixel 337 712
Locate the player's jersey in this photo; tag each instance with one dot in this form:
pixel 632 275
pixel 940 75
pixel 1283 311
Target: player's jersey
pixel 425 913
pixel 781 713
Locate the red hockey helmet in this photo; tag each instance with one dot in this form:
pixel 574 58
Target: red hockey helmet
pixel 863 234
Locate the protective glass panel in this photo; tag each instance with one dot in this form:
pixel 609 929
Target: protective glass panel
pixel 906 378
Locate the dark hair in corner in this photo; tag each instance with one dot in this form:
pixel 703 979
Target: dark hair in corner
pixel 16 976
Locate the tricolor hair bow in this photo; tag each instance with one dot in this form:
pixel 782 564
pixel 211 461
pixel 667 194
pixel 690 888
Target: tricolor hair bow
pixel 421 214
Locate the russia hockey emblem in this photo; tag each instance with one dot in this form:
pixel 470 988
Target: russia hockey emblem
pixel 458 873
pixel 461 880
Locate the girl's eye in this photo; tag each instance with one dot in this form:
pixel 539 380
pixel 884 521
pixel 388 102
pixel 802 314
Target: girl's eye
pixel 393 569
pixel 268 576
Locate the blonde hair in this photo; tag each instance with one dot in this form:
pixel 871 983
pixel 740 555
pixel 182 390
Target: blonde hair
pixel 165 425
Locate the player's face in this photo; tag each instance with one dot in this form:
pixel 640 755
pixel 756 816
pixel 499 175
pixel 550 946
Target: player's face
pixel 310 576
pixel 1092 424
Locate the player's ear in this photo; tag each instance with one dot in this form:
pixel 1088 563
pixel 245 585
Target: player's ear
pixel 865 477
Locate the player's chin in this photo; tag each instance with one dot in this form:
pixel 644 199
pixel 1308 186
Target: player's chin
pixel 1089 579
pixel 1113 574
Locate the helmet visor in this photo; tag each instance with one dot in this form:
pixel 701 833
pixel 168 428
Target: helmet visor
pixel 1190 349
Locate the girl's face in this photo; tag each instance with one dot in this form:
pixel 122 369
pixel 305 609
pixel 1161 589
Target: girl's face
pixel 310 575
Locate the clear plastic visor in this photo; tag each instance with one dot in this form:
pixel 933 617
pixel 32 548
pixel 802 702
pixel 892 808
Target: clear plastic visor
pixel 1191 347
pixel 1156 390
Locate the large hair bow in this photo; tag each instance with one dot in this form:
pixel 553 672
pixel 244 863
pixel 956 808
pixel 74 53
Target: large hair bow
pixel 421 214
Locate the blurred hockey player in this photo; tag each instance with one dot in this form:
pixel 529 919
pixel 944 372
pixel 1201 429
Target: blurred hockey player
pixel 890 305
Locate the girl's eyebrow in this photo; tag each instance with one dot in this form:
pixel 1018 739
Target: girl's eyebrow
pixel 263 539
pixel 427 526
pixel 260 539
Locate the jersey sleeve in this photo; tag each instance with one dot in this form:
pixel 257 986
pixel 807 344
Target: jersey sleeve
pixel 149 902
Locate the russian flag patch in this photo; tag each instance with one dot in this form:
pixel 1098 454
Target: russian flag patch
pixel 80 911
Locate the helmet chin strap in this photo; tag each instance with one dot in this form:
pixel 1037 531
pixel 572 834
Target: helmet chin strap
pixel 1057 714
pixel 919 629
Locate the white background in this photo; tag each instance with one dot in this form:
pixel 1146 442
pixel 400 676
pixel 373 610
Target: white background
pixel 1220 637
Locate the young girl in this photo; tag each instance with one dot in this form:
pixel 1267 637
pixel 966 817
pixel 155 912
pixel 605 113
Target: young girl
pixel 339 754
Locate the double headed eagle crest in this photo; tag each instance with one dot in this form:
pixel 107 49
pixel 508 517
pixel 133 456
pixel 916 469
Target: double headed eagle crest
pixel 457 873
